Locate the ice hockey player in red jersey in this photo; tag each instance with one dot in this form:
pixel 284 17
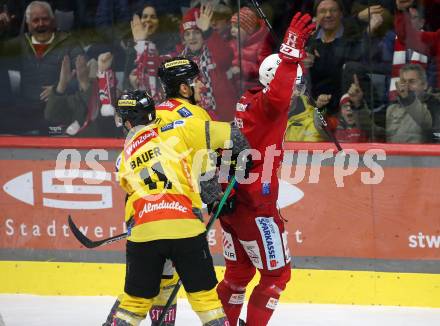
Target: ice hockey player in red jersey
pixel 254 235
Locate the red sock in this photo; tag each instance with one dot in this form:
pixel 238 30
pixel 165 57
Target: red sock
pixel 261 306
pixel 232 301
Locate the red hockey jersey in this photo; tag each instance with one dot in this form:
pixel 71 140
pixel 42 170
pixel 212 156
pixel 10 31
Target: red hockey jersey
pixel 262 114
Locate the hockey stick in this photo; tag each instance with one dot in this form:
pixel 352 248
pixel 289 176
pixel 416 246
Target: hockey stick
pixel 264 17
pixel 211 221
pixel 324 124
pixel 86 242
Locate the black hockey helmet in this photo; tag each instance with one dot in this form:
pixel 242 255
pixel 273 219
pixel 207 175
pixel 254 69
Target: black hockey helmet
pixel 137 107
pixel 175 71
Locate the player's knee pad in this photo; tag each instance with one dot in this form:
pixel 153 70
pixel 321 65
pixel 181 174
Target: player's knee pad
pixel 126 318
pixel 204 300
pixel 231 293
pixel 278 278
pixel 214 317
pixel 268 290
pixel 135 305
pixel 240 276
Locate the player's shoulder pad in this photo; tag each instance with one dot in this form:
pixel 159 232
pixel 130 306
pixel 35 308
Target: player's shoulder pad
pixel 173 125
pixel 167 105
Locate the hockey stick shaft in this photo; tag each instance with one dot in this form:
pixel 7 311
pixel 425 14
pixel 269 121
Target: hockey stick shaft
pixel 264 17
pixel 211 221
pixel 324 124
pixel 312 102
pixel 88 243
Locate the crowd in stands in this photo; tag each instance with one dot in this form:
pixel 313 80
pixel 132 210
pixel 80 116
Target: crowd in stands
pixel 372 67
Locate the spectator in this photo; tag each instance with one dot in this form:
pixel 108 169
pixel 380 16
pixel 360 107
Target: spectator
pixel 144 53
pixel 329 50
pixel 148 46
pixel 9 24
pixel 427 43
pixel 304 123
pixel 37 56
pixel 256 45
pixel 409 120
pixel 354 124
pixel 366 10
pixel 214 57
pixel 6 30
pixel 77 114
pixel 68 109
pixel 396 53
pixel 221 20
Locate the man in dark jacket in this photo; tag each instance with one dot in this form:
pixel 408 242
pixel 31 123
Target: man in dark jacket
pixel 335 43
pixel 37 56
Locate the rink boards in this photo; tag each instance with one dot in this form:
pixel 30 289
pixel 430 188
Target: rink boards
pixel 363 229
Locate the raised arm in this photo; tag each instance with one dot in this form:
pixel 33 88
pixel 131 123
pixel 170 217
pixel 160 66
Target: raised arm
pixel 279 91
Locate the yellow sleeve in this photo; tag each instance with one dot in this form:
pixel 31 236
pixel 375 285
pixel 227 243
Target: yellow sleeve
pixel 219 135
pixel 122 173
pixel 207 134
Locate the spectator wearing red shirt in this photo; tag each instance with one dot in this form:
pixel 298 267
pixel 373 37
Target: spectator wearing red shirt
pixel 256 44
pixel 427 43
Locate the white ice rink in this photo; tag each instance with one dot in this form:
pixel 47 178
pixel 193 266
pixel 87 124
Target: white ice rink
pixel 28 310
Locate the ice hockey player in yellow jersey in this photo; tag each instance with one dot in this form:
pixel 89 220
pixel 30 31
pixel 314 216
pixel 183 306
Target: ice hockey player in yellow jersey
pixel 179 77
pixel 157 171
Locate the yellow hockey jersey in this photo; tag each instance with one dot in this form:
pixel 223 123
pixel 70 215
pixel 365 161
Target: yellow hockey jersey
pixel 176 108
pixel 156 170
pixel 302 126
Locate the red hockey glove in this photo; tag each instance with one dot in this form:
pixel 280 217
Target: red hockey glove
pixel 292 48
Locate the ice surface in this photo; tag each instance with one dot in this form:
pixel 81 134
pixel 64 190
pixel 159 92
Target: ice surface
pixel 30 310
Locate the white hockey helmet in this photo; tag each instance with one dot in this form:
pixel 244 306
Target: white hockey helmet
pixel 269 66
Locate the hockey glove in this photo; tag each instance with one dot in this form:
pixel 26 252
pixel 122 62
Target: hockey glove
pixel 292 48
pixel 242 164
pixel 227 208
pixel 237 163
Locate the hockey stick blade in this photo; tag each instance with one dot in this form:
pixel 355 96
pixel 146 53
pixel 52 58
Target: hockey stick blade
pixel 86 242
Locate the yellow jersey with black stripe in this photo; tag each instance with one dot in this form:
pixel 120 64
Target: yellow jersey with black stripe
pixel 157 171
pixel 171 110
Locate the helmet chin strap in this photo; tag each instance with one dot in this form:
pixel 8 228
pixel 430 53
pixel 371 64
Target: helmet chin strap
pixel 125 130
pixel 192 98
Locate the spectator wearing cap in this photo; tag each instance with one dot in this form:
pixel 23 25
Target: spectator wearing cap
pixel 348 129
pixel 354 123
pixel 256 44
pixel 213 55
